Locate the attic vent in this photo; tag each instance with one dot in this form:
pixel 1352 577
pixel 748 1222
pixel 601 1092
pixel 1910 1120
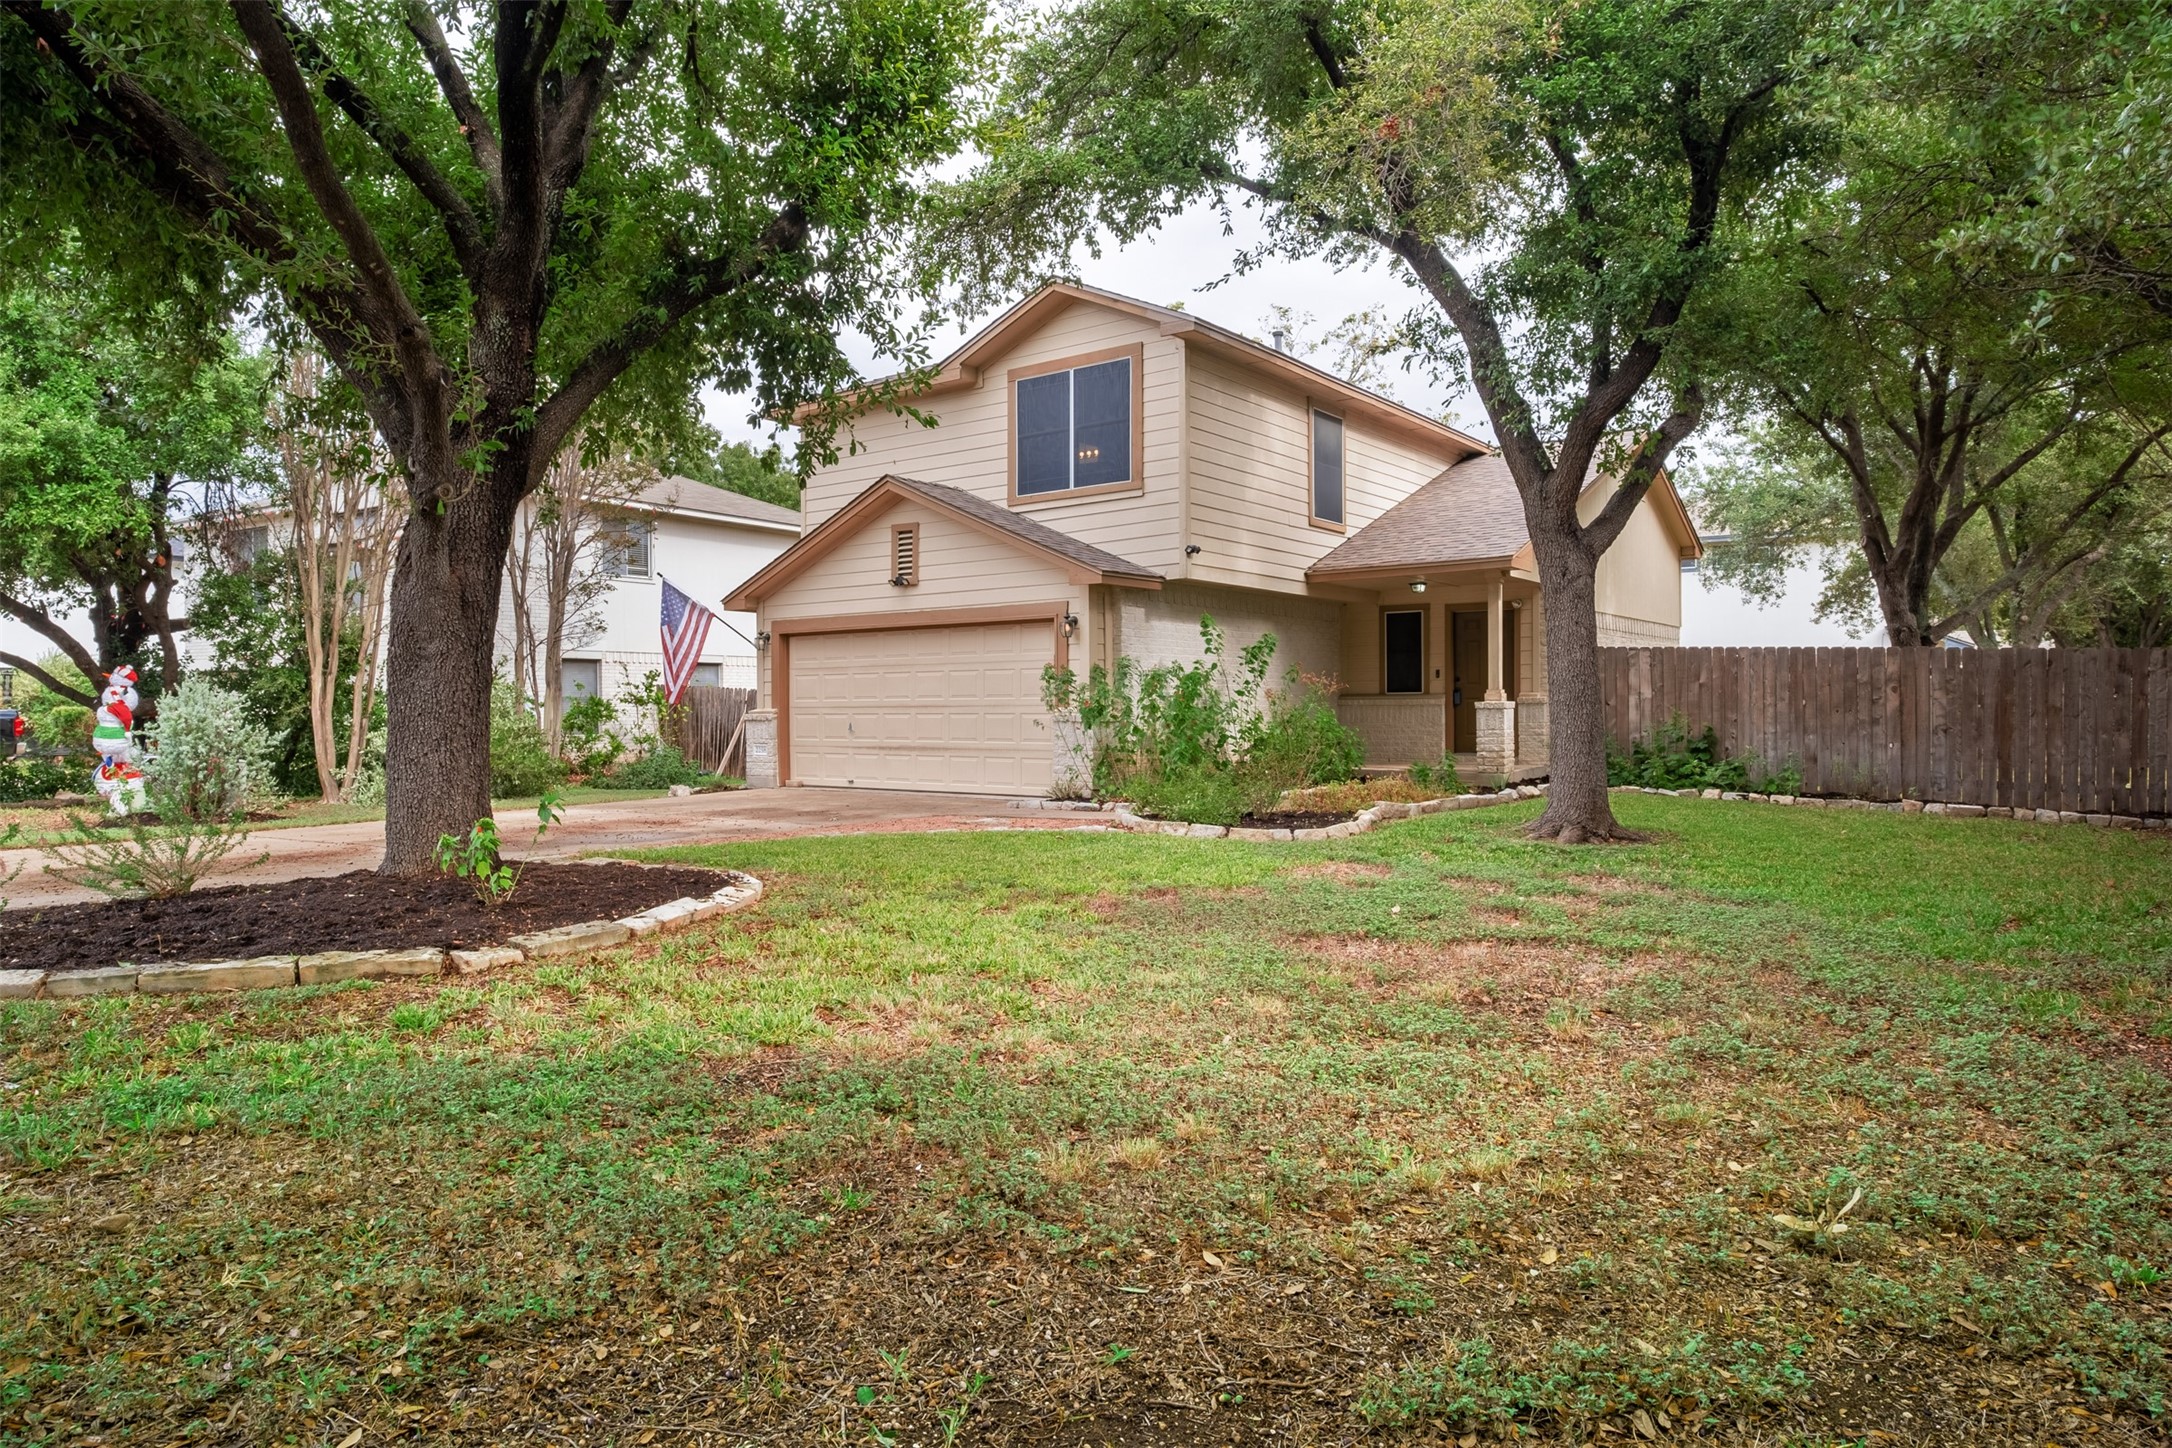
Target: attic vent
pixel 905 556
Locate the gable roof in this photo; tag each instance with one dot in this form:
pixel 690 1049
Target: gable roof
pixel 1470 515
pixel 686 497
pixel 1084 562
pixel 964 369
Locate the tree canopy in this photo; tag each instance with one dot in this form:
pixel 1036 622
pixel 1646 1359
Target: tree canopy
pixel 109 431
pixel 505 225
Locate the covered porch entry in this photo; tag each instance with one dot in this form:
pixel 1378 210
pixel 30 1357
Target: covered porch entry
pixel 1448 663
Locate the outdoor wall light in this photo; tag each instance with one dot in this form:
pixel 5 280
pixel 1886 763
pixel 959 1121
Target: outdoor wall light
pixel 761 640
pixel 1191 550
pixel 1070 625
pixel 1417 585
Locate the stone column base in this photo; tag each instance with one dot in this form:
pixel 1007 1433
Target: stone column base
pixel 761 746
pixel 1496 736
pixel 1531 731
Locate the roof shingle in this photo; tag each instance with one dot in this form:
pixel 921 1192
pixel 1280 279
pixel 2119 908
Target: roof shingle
pixel 1469 514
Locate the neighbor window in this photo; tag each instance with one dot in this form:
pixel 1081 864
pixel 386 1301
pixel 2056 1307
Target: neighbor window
pixel 1074 428
pixel 579 679
pixel 628 549
pixel 1404 636
pixel 708 676
pixel 1326 468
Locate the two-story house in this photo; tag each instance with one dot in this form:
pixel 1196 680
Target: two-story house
pixel 1102 473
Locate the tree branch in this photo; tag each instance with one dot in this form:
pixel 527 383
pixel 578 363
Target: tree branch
pixel 39 621
pixel 689 287
pixel 452 83
pixel 65 690
pixel 1644 467
pixel 461 227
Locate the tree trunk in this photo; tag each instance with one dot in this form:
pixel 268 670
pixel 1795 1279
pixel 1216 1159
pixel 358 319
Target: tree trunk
pixel 1578 810
pixel 441 648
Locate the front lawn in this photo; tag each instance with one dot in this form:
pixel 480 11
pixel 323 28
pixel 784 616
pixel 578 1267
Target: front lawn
pixel 1793 1127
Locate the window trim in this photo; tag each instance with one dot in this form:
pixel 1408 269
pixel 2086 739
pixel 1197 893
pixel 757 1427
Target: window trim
pixel 1425 654
pixel 898 530
pixel 1313 413
pixel 1136 483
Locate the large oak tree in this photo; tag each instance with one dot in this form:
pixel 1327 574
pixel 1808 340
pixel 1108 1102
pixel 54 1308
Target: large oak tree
pixel 505 225
pixel 1559 183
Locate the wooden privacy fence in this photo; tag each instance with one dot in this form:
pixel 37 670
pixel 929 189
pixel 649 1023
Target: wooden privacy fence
pixel 2088 730
pixel 709 725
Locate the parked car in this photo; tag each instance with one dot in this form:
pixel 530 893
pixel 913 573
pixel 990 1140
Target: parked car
pixel 13 726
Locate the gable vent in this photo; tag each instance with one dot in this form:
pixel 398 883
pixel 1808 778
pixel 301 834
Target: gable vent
pixel 905 556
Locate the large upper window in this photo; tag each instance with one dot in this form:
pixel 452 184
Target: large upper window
pixel 1327 469
pixel 628 548
pixel 1074 428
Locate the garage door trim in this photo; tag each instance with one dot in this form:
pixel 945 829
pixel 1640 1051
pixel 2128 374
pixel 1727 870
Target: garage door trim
pixel 782 629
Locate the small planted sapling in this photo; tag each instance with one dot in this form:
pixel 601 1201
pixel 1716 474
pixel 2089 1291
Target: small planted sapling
pixel 474 856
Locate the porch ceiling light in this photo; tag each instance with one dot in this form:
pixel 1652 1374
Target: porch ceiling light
pixel 1417 585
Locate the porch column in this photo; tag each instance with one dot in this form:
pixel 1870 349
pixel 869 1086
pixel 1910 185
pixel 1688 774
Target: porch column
pixel 1496 712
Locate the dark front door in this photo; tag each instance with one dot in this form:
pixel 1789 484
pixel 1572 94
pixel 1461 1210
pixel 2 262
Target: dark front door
pixel 1404 633
pixel 1469 663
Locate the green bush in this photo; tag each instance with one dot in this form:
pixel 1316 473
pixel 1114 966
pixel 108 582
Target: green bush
pixel 208 758
pixel 521 764
pixel 660 768
pixel 27 779
pixel 587 738
pixel 56 723
pixel 1205 741
pixel 1676 758
pixel 1440 775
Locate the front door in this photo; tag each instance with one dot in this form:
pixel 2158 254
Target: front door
pixel 1469 666
pixel 1469 661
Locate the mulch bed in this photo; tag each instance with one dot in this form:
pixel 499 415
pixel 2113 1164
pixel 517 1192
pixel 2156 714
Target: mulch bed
pixel 360 910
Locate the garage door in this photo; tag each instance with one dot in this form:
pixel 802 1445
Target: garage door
pixel 925 708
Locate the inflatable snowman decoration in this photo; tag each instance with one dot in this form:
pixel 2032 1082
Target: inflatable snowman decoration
pixel 118 780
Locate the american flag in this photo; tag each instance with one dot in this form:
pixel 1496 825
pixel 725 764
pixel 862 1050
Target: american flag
pixel 686 629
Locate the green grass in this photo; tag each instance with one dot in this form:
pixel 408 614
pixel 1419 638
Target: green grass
pixel 1789 1126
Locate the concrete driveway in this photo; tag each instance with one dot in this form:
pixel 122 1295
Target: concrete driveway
pixel 746 814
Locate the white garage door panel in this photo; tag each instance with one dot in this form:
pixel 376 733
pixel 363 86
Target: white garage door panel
pixel 928 708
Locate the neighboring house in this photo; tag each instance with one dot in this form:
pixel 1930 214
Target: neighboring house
pixel 698 537
pixel 1104 472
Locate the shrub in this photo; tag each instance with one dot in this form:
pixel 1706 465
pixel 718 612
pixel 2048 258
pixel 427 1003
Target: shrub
pixel 55 723
pixel 25 779
pixel 1204 741
pixel 208 757
pixel 1440 777
pixel 1676 758
pixel 521 763
pixel 587 736
pixel 660 768
pixel 156 862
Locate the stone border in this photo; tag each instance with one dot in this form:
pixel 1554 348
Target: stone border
pixel 271 971
pixel 1365 819
pixel 1918 806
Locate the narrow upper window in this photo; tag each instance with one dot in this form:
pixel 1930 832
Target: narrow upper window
pixel 1074 428
pixel 1327 454
pixel 905 555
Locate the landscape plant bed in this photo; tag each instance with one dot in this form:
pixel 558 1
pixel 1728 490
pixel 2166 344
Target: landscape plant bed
pixel 360 910
pixel 1296 819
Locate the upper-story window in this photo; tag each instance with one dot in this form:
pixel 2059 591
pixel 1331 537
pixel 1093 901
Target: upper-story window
pixel 1327 469
pixel 1076 427
pixel 629 549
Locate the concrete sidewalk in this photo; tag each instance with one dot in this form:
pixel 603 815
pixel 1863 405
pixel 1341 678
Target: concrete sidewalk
pixel 747 814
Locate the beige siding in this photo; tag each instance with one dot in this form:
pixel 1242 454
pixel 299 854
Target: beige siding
pixel 970 445
pixel 1250 442
pixel 1162 627
pixel 960 567
pixel 1640 576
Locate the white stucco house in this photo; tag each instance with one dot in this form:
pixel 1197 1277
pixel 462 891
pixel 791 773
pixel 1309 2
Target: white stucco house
pixel 1102 472
pixel 694 535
